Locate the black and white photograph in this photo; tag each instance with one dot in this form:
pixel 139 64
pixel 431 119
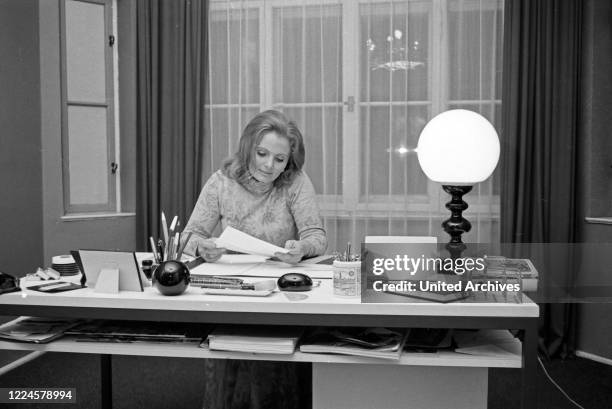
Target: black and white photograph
pixel 306 204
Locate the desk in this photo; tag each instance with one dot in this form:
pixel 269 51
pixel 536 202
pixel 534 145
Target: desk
pixel 319 309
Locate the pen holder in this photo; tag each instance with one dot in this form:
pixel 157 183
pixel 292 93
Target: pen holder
pixel 171 277
pixel 347 278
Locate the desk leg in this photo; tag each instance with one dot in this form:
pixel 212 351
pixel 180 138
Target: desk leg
pixel 106 381
pixel 380 386
pixel 529 397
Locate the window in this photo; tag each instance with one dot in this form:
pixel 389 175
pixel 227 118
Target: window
pixel 361 78
pixel 89 126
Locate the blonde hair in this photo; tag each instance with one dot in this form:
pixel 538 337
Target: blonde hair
pixel 237 165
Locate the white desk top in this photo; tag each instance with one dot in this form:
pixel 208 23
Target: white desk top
pixel 320 301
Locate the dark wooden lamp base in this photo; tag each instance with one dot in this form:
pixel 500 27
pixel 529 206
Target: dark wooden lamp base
pixel 456 225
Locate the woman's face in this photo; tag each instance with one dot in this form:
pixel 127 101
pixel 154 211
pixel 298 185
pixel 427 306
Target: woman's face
pixel 270 157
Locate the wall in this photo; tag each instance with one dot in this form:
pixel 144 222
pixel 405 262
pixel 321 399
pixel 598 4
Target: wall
pixel 32 81
pixel 595 195
pixel 21 240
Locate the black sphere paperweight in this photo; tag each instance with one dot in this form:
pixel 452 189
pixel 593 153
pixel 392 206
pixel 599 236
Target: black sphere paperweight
pixel 171 277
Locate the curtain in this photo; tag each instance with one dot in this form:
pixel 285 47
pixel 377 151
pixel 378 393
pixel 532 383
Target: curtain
pixel 540 120
pixel 171 80
pixel 361 79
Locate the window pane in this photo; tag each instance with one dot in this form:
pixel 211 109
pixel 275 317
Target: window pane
pixel 85 52
pixel 388 166
pixel 394 51
pixel 88 155
pixel 322 132
pixel 307 47
pixel 225 126
pixel 234 56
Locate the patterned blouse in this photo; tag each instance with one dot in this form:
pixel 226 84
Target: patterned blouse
pixel 262 210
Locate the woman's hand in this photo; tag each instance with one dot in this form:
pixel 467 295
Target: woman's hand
pixel 294 255
pixel 209 251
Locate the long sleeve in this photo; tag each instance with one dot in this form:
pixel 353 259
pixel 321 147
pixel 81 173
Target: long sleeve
pixel 305 211
pixel 205 215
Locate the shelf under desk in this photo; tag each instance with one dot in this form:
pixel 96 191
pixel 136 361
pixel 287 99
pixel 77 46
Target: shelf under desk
pixel 510 358
pixel 319 309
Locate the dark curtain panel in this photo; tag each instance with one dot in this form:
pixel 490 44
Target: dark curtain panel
pixel 171 78
pixel 541 105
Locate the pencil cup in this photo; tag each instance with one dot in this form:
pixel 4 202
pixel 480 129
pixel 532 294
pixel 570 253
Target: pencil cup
pixel 347 278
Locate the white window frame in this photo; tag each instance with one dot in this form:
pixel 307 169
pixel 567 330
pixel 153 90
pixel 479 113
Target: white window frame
pixel 348 204
pixel 113 205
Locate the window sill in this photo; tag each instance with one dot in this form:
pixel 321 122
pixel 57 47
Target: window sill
pixel 598 220
pixel 74 217
pixel 404 215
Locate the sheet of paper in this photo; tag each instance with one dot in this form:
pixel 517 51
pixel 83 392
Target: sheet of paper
pixel 222 268
pixel 300 266
pixel 241 259
pixel 233 239
pixel 276 269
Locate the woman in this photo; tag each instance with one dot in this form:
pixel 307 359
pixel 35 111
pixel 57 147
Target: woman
pixel 261 190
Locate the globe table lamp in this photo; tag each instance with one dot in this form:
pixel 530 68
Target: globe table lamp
pixel 458 148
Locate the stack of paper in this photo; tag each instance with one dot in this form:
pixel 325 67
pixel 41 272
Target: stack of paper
pixel 135 331
pixel 491 342
pixel 370 342
pixel 228 264
pixel 260 339
pixel 36 330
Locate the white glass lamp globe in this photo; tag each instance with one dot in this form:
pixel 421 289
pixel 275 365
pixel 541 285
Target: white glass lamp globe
pixel 458 147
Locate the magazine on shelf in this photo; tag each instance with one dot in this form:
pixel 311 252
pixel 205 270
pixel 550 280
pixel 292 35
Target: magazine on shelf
pixel 491 342
pixel 133 331
pixel 255 339
pixel 369 342
pixel 35 329
pixel 428 340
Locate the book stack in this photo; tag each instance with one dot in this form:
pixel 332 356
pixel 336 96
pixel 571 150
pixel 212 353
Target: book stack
pixel 263 340
pixel 35 330
pixel 65 265
pixel 370 342
pixel 135 331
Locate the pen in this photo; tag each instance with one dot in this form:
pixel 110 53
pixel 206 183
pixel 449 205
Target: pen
pixel 201 281
pixel 155 254
pixel 165 230
pixel 226 286
pixel 175 246
pixel 183 245
pixel 170 246
pixel 259 286
pixel 160 249
pixel 173 225
pixel 227 279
